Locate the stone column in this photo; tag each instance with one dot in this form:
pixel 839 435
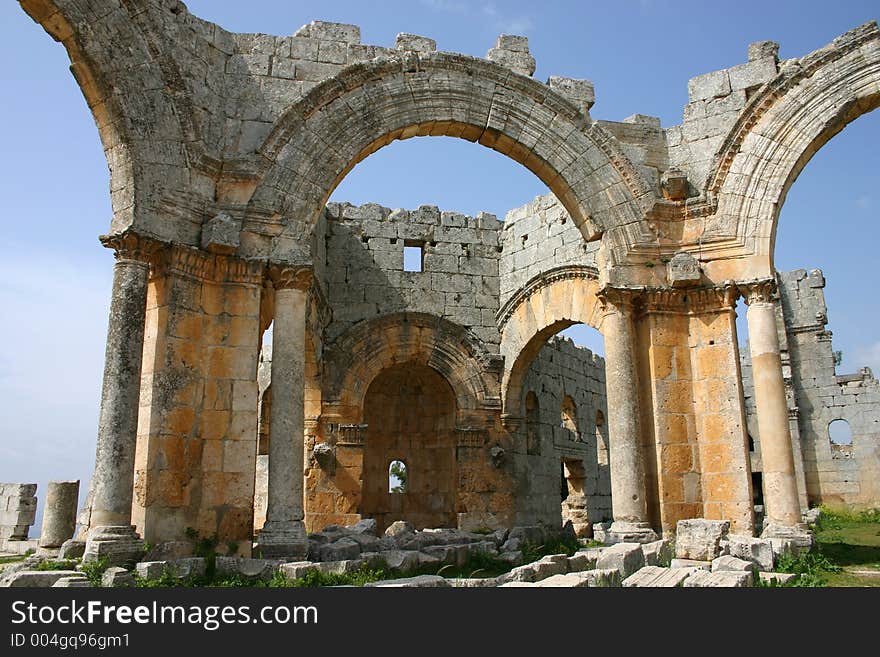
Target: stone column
pixel 782 508
pixel 59 513
pixel 628 503
pixel 283 534
pixel 111 533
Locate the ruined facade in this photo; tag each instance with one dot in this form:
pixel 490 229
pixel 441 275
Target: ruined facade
pixel 223 151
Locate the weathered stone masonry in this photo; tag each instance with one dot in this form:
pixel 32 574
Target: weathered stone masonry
pixel 224 150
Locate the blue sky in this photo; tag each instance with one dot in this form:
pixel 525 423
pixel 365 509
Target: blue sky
pixel 55 277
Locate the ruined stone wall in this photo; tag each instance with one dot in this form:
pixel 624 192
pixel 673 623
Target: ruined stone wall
pixel 563 370
pixel 538 237
pixel 715 102
pixel 833 474
pixel 365 275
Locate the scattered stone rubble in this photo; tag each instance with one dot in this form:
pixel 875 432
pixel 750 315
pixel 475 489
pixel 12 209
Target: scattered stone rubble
pixel 727 560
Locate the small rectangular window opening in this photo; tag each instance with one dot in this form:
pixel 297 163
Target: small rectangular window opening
pixel 413 256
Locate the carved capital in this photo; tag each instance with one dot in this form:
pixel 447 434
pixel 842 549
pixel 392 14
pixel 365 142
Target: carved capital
pixel 619 298
pixel 761 291
pixel 290 278
pixel 131 246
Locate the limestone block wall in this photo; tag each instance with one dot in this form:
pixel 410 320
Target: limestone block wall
pixel 715 101
pixel 845 474
pixel 537 237
pixel 364 266
pixel 18 510
pixel 563 370
pixel 197 423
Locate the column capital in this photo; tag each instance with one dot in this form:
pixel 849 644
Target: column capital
pixel 692 300
pixel 759 291
pixel 128 245
pixel 289 277
pixel 619 298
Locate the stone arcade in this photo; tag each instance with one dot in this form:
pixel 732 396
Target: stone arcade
pixel 223 151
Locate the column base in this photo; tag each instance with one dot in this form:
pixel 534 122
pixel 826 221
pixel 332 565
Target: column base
pixel 282 538
pixel 622 531
pixel 119 544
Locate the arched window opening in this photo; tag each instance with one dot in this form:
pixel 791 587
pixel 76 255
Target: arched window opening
pixel 569 418
pixel 397 477
pixel 841 439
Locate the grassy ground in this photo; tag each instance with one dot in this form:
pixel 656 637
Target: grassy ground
pixel 852 543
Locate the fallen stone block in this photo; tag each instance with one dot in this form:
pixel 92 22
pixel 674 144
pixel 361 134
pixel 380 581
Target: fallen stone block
pixel 343 567
pixel 655 576
pixel 733 564
pixel 72 582
pixel 473 582
pixel 569 580
pixel 37 578
pixel 179 569
pixel 340 550
pixel 690 563
pixel 580 561
pixel 365 526
pixel 72 549
pixel 399 529
pixel 779 578
pixel 700 539
pixel 298 569
pixel 421 581
pixel 117 576
pixel 705 579
pixel 602 577
pixel 400 560
pixel 657 553
pixel 626 558
pixel 262 569
pixel 757 550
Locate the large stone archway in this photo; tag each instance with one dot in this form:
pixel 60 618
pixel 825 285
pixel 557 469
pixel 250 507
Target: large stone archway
pixel 784 125
pixel 547 304
pixel 366 106
pixel 224 149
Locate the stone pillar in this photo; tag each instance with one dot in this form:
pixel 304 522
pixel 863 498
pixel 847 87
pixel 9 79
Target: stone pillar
pixel 111 533
pixel 283 534
pixel 628 503
pixel 782 508
pixel 59 513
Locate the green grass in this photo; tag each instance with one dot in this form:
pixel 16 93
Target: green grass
pixel 850 541
pixel 13 559
pixel 52 564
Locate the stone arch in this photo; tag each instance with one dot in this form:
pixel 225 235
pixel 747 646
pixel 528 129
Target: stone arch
pixel 547 304
pixel 138 99
pixel 370 347
pixel 370 104
pixel 783 126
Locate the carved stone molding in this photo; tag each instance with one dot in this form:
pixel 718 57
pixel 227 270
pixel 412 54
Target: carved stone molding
pixel 760 291
pixel 685 301
pixel 539 282
pixel 290 278
pixel 348 434
pixel 131 246
pixel 209 267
